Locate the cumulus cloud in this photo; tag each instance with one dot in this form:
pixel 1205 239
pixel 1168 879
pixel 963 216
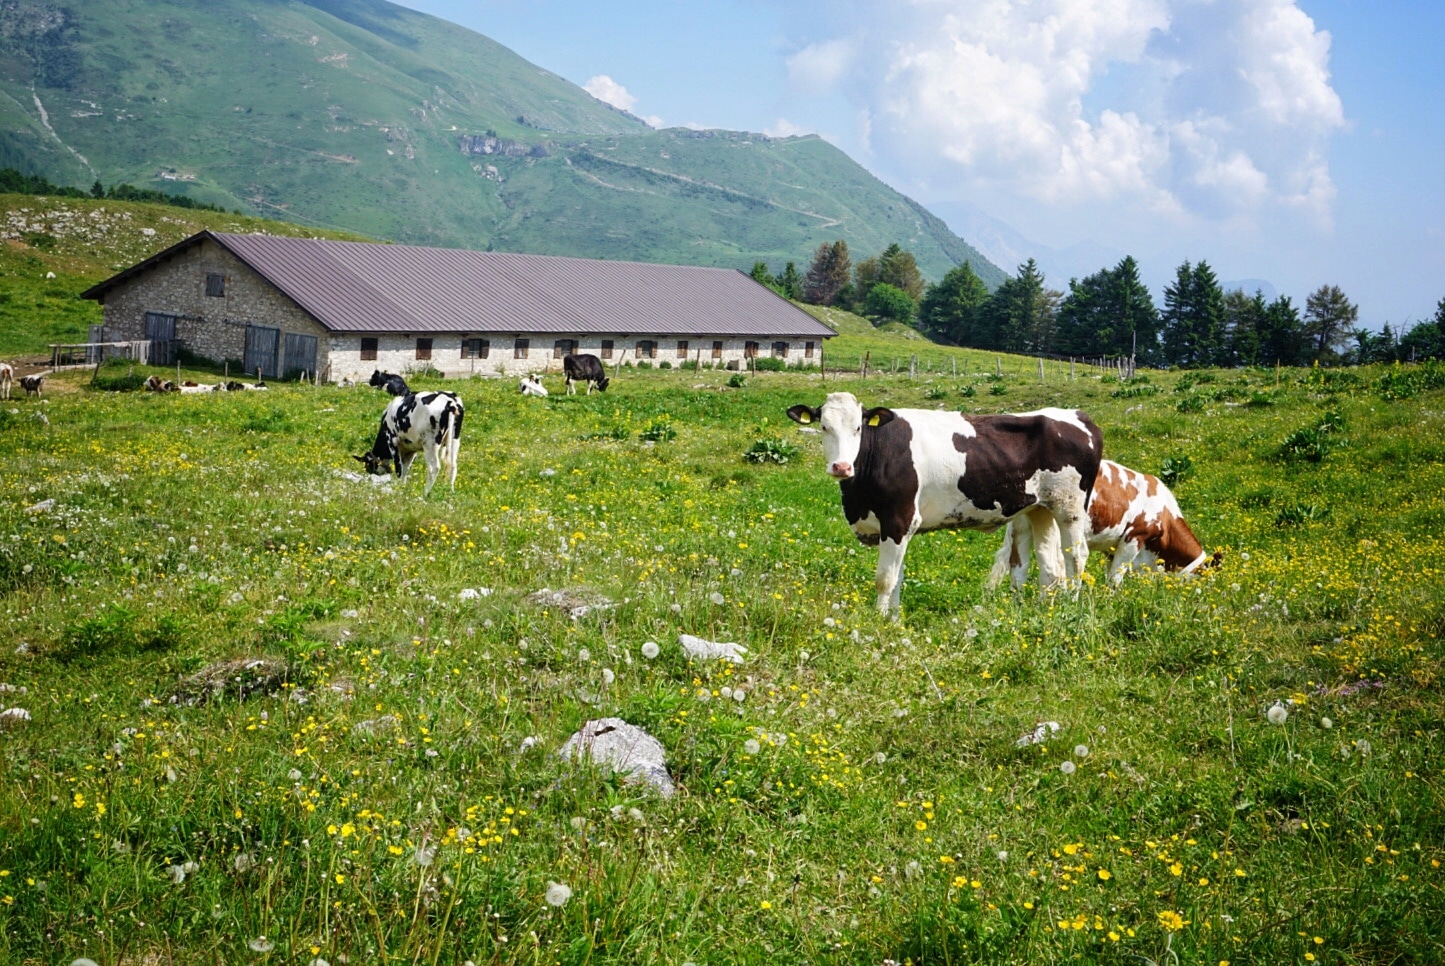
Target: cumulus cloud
pixel 1203 107
pixel 608 91
pixel 784 128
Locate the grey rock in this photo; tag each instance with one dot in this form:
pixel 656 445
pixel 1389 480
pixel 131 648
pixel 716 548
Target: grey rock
pixel 626 749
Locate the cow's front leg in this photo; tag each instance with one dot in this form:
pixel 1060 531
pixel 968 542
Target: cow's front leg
pixel 433 467
pixel 403 463
pixel 889 582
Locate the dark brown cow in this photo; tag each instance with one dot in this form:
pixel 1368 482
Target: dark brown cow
pixel 1132 515
pixel 905 471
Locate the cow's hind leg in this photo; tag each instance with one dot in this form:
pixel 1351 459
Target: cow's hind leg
pixel 1013 558
pixel 1047 549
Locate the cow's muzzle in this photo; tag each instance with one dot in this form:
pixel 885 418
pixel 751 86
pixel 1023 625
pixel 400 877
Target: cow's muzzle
pixel 842 471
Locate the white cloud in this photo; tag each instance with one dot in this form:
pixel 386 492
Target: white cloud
pixel 1204 108
pixel 652 120
pixel 608 91
pixel 784 128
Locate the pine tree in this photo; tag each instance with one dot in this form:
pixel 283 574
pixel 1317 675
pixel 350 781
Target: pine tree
pixel 898 267
pixel 1109 313
pixel 1193 319
pixel 950 309
pixel 829 273
pixel 1282 339
pixel 1019 316
pixel 1244 327
pixel 1329 318
pixel 790 283
pixel 865 276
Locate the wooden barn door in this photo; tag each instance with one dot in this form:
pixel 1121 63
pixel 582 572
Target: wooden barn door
pixel 161 331
pixel 262 349
pixel 300 355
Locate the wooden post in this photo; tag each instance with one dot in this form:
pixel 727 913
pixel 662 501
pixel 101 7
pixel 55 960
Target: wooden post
pixel 1041 368
pixel 998 366
pixel 913 365
pixel 822 362
pixel 1071 368
pixel 866 356
pixel 954 359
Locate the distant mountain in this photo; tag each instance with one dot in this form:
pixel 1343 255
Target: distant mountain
pixel 1006 246
pixel 368 116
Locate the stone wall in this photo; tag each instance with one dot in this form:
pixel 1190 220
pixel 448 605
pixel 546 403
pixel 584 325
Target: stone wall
pixel 398 353
pixel 213 327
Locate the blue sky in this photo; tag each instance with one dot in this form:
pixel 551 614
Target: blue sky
pixel 1301 142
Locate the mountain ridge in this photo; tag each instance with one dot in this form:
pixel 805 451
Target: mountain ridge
pixel 369 117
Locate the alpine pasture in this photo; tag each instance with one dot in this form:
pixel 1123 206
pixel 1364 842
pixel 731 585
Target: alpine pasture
pixel 1247 765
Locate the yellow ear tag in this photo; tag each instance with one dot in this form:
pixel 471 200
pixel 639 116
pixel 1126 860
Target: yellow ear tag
pixel 873 420
pixel 805 417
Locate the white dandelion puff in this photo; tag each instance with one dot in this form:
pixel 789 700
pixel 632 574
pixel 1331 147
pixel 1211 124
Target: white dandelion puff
pixel 1081 751
pixel 261 945
pixel 1326 724
pixel 1277 714
pixel 608 675
pixel 1003 855
pixel 650 650
pixel 424 856
pixel 717 598
pixel 584 655
pixel 1068 768
pixel 558 894
pixel 1363 746
pixel 751 746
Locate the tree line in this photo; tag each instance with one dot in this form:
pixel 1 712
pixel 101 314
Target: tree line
pixel 13 181
pixel 1108 313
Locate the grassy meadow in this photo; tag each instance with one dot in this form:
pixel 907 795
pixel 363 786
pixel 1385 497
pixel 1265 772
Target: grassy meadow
pixel 852 793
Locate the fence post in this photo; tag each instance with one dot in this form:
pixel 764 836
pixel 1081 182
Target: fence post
pixel 998 366
pixel 912 366
pixel 1041 368
pixel 864 368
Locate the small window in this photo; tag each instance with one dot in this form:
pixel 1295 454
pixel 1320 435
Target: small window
pixel 520 348
pixel 216 286
pixel 750 350
pixel 682 348
pixel 368 350
pixel 564 347
pixel 647 349
pixel 423 348
pixel 808 350
pixel 717 349
pixel 476 348
pixel 607 348
pixel 780 350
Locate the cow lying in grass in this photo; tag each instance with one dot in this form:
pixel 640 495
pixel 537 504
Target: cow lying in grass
pixel 1132 515
pixel 532 386
pixel 429 423
pixel 157 384
pixel 906 471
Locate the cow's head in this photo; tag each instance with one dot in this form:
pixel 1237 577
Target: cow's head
pixel 602 384
pixel 375 465
pixel 843 421
pixel 378 378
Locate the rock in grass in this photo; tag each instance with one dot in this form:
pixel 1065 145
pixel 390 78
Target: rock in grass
pixel 239 678
pixel 575 602
pixel 626 749
pixel 701 649
pixel 1039 735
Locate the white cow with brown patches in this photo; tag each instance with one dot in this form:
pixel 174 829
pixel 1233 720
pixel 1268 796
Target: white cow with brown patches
pixel 1132 515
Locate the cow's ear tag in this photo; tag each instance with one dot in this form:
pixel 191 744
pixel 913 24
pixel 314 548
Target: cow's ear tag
pixel 873 420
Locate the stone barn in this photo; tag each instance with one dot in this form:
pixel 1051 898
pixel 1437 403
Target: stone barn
pixel 287 306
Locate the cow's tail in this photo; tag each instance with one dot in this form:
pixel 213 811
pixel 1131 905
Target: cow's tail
pixel 451 439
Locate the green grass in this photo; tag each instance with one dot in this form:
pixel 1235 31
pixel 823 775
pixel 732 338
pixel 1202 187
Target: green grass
pixel 885 812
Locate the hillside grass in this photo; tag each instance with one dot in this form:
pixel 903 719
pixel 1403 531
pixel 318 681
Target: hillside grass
pixel 864 801
pixel 81 242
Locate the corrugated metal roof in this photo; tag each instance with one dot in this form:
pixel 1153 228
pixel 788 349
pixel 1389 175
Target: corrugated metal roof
pixel 367 287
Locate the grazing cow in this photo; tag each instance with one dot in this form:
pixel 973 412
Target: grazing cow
pixel 32 384
pixel 157 384
pixel 532 386
pixel 429 423
pixel 394 385
pixel 905 471
pixel 7 379
pixel 584 368
pixel 1132 515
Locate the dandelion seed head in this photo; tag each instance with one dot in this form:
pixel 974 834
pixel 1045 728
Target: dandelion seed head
pixel 558 894
pixel 1277 714
pixel 1326 724
pixel 636 815
pixel 608 675
pixel 1363 746
pixel 650 650
pixel 584 655
pixel 1003 855
pixel 1068 768
pixel 676 608
pixel 751 746
pixel 717 598
pixel 880 758
pixel 424 856
pixel 261 945
pixel 704 695
pixel 82 961
pixel 1081 751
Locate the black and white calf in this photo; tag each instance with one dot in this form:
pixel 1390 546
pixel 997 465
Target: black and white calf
pixel 584 368
pixel 394 385
pixel 906 471
pixel 32 384
pixel 429 423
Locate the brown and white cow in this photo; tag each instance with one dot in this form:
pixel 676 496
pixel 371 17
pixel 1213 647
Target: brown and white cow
pixel 906 471
pixel 7 379
pixel 1132 515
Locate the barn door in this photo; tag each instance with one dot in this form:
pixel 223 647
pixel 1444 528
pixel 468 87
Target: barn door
pixel 300 355
pixel 161 333
pixel 262 349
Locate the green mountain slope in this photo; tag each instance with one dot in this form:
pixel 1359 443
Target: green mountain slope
pixel 367 116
